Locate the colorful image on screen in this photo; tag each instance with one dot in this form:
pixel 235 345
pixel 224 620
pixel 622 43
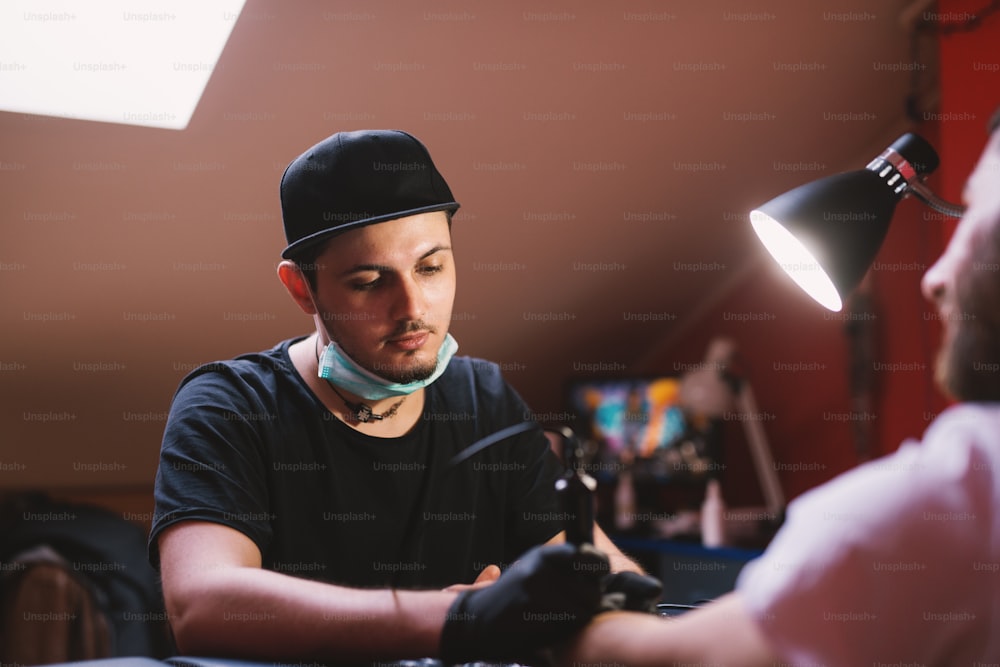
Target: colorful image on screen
pixel 631 416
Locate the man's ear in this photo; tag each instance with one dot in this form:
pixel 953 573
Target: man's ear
pixel 295 282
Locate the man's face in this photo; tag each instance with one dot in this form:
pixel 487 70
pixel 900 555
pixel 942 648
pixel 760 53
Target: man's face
pixel 965 285
pixel 385 293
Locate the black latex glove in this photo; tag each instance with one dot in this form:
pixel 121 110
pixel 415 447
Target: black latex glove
pixel 631 591
pixel 542 599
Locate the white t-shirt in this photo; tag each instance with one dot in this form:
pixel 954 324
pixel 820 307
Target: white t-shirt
pixel 894 563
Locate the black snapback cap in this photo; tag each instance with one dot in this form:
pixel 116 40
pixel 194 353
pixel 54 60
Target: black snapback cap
pixel 353 179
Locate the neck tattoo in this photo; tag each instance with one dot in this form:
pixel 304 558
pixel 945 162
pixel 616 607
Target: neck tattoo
pixel 362 412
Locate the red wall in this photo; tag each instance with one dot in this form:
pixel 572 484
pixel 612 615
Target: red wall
pixel 970 92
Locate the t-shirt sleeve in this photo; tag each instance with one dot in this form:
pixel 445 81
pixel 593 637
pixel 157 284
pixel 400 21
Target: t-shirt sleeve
pixel 879 565
pixel 211 467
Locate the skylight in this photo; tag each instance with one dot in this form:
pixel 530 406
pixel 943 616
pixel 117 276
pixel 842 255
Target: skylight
pixel 117 61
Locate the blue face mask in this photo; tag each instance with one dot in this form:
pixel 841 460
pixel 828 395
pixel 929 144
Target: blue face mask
pixel 336 367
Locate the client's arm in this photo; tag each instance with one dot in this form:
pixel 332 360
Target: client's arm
pixel 720 633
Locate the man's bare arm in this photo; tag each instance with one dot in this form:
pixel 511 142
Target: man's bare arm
pixel 619 561
pixel 720 633
pixel 220 602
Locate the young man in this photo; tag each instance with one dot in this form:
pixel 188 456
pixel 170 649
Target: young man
pixel 898 561
pixel 308 506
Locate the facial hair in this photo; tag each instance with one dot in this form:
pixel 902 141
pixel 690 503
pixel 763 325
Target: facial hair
pixel 968 364
pixel 402 374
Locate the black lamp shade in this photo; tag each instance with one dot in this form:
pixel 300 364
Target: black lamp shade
pixel 841 220
pixel 825 234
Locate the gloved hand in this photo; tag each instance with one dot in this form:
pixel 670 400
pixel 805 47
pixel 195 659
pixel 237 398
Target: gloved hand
pixel 546 596
pixel 631 591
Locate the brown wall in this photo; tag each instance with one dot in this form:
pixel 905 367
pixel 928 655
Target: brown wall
pixel 129 254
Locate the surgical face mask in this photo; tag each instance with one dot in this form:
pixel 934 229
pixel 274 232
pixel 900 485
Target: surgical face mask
pixel 336 367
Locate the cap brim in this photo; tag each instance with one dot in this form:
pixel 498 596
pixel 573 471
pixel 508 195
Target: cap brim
pixel 296 248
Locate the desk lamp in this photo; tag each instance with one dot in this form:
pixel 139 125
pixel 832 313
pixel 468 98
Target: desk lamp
pixel 825 234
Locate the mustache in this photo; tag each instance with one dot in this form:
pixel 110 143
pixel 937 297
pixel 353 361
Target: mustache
pixel 411 326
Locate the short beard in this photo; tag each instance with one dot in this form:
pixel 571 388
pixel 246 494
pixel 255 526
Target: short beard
pixel 968 364
pixel 405 375
pixel 398 373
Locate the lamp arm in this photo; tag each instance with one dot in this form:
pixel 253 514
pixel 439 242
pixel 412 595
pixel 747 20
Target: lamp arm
pixel 924 194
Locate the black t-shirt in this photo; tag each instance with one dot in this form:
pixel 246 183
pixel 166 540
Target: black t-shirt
pixel 250 446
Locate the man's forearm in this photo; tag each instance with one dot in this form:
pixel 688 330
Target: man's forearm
pixel 622 563
pixel 254 613
pixel 619 561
